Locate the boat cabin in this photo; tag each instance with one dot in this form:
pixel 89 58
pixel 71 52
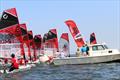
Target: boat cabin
pixel 101 49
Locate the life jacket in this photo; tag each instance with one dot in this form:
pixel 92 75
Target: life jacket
pixel 15 63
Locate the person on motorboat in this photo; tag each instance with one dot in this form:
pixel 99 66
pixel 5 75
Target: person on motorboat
pixel 84 50
pixel 87 49
pixel 62 54
pixel 78 52
pixel 14 63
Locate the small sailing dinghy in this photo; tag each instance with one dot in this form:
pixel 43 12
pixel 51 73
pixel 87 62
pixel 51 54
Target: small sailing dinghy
pixel 21 68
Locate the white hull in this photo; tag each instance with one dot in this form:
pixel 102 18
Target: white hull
pixel 86 59
pixel 21 68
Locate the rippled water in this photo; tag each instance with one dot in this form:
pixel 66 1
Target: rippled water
pixel 103 71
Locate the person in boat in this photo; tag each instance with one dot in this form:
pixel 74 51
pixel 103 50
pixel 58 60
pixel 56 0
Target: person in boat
pixel 62 54
pixel 87 49
pixel 14 63
pixel 5 66
pixel 84 50
pixel 78 52
pixel 5 61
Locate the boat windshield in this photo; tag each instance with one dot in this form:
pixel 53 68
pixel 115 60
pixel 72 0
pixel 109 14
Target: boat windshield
pixel 97 47
pixel 105 46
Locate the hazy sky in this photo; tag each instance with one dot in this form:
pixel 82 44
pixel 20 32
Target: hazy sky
pixel 99 16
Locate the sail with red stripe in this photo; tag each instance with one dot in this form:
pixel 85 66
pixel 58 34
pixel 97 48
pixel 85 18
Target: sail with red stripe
pixel 38 43
pixel 9 28
pixel 52 38
pixel 75 32
pixel 93 38
pixel 64 44
pixel 32 45
pixel 44 41
pixel 25 40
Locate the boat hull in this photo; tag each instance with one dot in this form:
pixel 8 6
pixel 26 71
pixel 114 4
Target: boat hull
pixel 86 59
pixel 21 68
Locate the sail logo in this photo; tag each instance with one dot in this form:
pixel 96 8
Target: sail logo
pixel 5 16
pixel 78 36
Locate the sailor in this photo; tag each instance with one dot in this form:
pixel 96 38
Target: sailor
pixel 83 50
pixel 5 62
pixel 78 52
pixel 62 54
pixel 87 49
pixel 14 63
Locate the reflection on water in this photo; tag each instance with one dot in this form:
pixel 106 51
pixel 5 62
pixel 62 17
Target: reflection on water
pixel 103 71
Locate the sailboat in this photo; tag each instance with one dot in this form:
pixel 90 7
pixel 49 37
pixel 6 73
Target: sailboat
pixel 11 38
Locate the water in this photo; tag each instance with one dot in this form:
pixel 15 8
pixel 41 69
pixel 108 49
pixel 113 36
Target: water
pixel 103 71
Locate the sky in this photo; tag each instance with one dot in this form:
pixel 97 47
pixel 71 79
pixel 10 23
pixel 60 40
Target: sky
pixel 99 16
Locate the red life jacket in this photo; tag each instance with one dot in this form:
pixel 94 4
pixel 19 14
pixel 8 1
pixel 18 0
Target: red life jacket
pixel 15 63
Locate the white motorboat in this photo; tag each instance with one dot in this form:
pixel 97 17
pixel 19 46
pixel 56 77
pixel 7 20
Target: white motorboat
pixel 98 53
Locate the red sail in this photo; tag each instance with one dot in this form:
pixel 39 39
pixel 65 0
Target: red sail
pixel 52 38
pixel 93 38
pixel 65 36
pixel 44 42
pixel 9 25
pixel 38 41
pixel 64 44
pixel 75 32
pixel 32 44
pixel 25 40
pixel 24 33
pixel 45 37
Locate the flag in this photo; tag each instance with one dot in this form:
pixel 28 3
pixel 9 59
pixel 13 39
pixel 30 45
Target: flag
pixel 75 32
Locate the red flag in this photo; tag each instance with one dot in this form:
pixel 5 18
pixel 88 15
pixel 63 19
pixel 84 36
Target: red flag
pixel 75 32
pixel 93 38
